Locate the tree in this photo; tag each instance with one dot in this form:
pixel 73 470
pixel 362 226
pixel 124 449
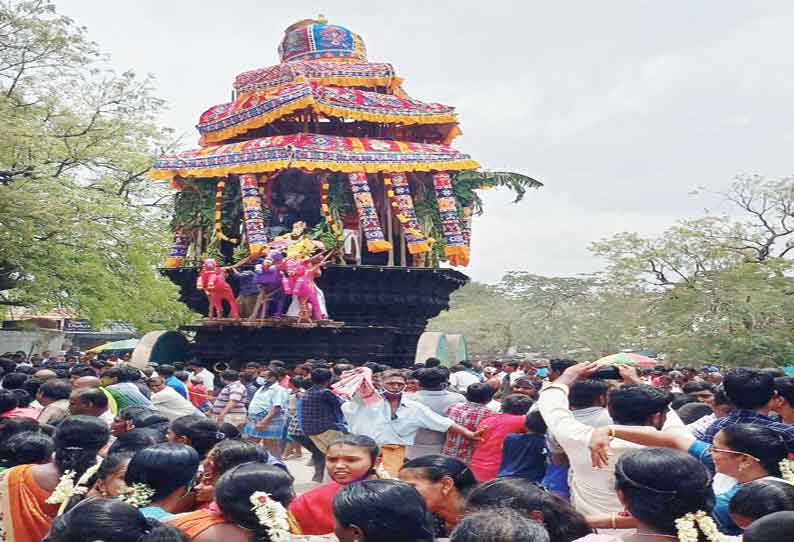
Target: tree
pixel 80 225
pixel 719 286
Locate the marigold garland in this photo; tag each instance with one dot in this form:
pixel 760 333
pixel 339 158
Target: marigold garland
pixel 219 186
pixel 367 214
pixel 402 205
pixel 455 248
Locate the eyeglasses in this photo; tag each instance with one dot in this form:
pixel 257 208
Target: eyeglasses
pixel 724 451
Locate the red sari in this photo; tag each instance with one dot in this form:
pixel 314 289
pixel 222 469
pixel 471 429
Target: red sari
pixel 313 511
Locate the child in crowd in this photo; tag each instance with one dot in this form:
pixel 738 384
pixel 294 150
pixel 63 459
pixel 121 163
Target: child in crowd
pixel 524 454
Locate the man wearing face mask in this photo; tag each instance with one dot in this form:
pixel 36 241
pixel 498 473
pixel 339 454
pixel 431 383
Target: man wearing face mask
pixel 393 423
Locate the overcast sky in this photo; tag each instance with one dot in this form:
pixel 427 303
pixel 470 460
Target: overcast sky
pixel 620 107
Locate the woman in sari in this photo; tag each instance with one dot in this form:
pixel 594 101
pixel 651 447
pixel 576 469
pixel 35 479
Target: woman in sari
pixel 349 459
pixel 252 500
pixel 30 495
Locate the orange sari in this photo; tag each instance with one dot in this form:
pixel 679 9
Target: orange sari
pixel 195 523
pixel 24 516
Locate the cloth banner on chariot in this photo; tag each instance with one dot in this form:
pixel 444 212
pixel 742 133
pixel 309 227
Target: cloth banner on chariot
pixel 253 216
pixel 178 249
pixel 455 248
pixel 399 192
pixel 367 214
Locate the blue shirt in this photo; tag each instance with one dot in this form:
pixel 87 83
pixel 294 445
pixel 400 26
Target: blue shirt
pixel 524 456
pixel 174 382
pixel 749 416
pixel 154 512
pixel 702 452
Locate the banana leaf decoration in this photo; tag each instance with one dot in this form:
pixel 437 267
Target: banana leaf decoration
pixel 466 182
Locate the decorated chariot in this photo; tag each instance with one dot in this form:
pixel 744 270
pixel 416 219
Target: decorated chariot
pixel 314 218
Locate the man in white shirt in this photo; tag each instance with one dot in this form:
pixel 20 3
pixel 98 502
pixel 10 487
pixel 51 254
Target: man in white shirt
pixel 593 490
pixel 168 401
pixel 393 422
pixel 207 377
pixel 460 378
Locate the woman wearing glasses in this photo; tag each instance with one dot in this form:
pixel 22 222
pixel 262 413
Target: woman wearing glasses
pixel 743 452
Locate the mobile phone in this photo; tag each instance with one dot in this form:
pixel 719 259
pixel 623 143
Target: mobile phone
pixel 606 373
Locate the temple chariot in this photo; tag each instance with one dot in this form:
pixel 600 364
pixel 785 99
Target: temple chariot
pixel 322 210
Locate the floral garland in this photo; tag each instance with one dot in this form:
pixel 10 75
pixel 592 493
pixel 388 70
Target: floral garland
pixel 688 525
pixel 64 489
pixel 455 248
pixel 787 470
pixel 252 213
pixel 402 204
pixel 367 214
pixel 271 515
pixel 178 249
pixel 325 208
pixel 219 186
pixel 81 487
pixel 138 495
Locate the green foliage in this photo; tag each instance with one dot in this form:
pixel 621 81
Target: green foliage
pixel 466 182
pixel 322 232
pixel 80 224
pixel 713 289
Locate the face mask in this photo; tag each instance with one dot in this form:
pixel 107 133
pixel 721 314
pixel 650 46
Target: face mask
pixel 260 381
pixel 391 396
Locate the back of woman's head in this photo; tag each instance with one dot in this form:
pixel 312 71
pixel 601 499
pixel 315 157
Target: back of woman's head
pixel 762 497
pixel 25 448
pixel 436 467
pixel 13 426
pixel 235 488
pixel 661 485
pixel 203 433
pixel 163 467
pixel 78 439
pixel 758 441
pixel 775 527
pixel 230 453
pixel 384 511
pixel 499 525
pixel 109 520
pixel 562 522
pixel 135 440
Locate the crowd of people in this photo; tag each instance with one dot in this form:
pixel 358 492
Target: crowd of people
pixel 94 449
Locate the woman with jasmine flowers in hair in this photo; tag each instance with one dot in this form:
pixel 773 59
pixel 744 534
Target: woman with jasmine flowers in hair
pixel 31 495
pixel 669 495
pixel 159 478
pixel 252 501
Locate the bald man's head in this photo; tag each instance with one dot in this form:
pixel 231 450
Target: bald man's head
pixel 45 374
pixel 86 382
